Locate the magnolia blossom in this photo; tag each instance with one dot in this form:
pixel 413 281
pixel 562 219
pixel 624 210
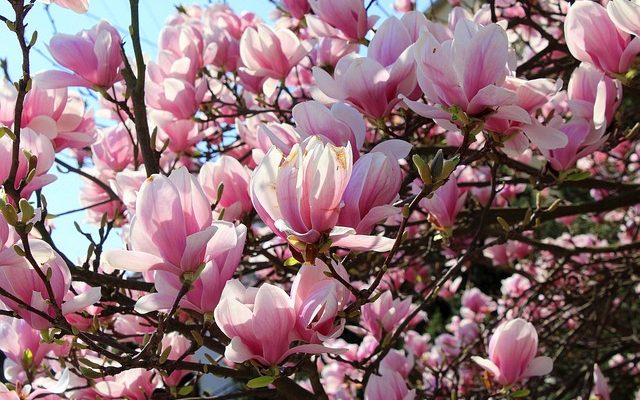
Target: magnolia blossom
pixel 347 19
pixel 385 314
pixel 341 124
pixel 172 229
pixel 373 83
pixel 466 71
pixel 35 145
pixel 58 114
pixel 317 299
pixel 224 252
pixel 601 389
pixel 270 53
pixel 626 15
pixel 445 204
pixel 17 338
pixel 24 285
pixel 134 384
pixel 300 196
pixel 389 385
pixel 259 322
pixel 583 140
pixel 512 353
pixel 93 56
pixel 593 95
pixel 234 178
pixel 592 37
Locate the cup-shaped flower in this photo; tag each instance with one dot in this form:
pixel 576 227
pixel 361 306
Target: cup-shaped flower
pixel 300 194
pixel 389 385
pixel 93 56
pixel 224 252
pixel 373 186
pixel 341 124
pixel 24 286
pixel 626 15
pixel 171 229
pixel 348 16
pixel 317 300
pixel 445 204
pixel 270 53
pixel 512 353
pixel 385 314
pixel 594 38
pixel 234 178
pixel 259 322
pixel 466 72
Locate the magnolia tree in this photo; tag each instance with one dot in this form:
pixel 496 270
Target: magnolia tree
pixel 441 204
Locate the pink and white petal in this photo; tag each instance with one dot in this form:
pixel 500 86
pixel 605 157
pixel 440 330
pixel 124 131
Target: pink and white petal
pixel 425 110
pixel 539 366
pixel 83 300
pixel 154 302
pixel 195 249
pixel 398 149
pixel 59 79
pixel 379 244
pixel 134 261
pixel 545 137
pixel 487 365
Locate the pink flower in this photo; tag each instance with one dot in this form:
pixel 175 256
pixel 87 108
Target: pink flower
pixel 18 337
pixel 600 389
pixel 317 300
pixel 373 186
pixel 93 56
pixel 593 95
pixel 234 177
pixel 171 229
pixel 224 251
pixel 592 37
pixel 512 353
pixel 259 323
pixel 179 346
pixel 476 305
pixel 389 385
pixel 626 15
pixel 55 113
pixel 445 204
pixel 35 144
pixel 583 140
pixel 19 278
pixel 134 384
pixel 297 8
pixel 270 53
pixel 349 17
pixel 99 203
pixel 341 124
pixel 182 134
pixel 113 152
pixel 329 51
pixel 467 71
pixel 178 97
pixel 79 6
pixel 373 83
pixel 385 314
pixel 300 194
